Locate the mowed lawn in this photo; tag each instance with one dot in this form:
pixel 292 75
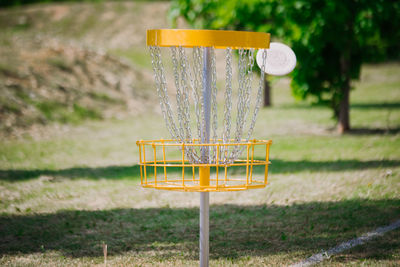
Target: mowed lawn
pixel 65 191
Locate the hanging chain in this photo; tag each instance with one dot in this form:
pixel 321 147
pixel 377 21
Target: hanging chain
pixel 186 106
pixel 185 68
pixel 246 63
pixel 228 103
pixel 214 108
pixel 241 111
pixel 259 94
pixel 161 86
pixel 182 100
pixel 179 96
pixel 241 94
pixel 191 78
pixel 197 85
pixel 248 83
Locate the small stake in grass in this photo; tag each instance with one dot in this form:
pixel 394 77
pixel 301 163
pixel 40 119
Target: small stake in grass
pixel 105 253
pixel 204 157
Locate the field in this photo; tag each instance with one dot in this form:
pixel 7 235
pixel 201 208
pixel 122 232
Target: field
pixel 65 190
pixel 64 194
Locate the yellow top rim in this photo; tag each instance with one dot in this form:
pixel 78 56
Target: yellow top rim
pixel 214 38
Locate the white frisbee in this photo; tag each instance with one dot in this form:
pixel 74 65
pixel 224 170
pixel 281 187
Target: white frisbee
pixel 280 60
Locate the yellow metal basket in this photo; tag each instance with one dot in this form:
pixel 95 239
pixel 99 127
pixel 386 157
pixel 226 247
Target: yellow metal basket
pixel 213 162
pixel 156 171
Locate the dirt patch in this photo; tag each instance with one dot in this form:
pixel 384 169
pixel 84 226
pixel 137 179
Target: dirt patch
pixel 47 80
pixel 106 25
pixel 55 64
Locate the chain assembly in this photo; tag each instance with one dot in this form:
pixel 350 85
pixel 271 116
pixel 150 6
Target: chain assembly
pixel 188 80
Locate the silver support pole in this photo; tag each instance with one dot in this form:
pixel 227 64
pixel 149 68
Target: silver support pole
pixel 205 138
pixel 204 228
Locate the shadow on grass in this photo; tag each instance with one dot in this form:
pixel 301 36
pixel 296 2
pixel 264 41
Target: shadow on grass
pixel 373 131
pixel 133 172
pixel 304 105
pixel 235 231
pixel 383 105
pixel 283 166
pixel 108 172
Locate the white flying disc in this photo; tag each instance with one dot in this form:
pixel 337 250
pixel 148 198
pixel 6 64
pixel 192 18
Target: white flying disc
pixel 280 60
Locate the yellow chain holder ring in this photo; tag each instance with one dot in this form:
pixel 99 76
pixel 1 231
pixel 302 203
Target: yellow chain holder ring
pixel 214 38
pixel 156 171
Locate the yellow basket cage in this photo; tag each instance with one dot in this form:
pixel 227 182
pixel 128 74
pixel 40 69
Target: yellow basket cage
pixel 179 174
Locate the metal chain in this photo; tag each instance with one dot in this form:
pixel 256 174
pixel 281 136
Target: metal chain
pixel 161 86
pixel 248 84
pixel 242 68
pixel 241 79
pixel 246 63
pixel 258 101
pixel 214 109
pixel 179 99
pixel 228 103
pixel 186 105
pixel 190 78
pixel 202 109
pixel 259 94
pixel 197 85
pixel 185 68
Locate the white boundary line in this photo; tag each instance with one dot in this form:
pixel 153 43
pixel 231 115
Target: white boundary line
pixel 316 258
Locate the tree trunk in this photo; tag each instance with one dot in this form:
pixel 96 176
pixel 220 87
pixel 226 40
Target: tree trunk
pixel 345 69
pixel 267 92
pixel 344 109
pixel 344 106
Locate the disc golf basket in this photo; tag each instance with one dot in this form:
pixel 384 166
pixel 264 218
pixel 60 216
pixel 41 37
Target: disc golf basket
pixel 199 157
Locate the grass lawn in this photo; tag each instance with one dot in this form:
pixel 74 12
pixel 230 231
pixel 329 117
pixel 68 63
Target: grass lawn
pixel 65 191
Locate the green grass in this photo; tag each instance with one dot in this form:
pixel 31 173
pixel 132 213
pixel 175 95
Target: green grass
pixel 63 192
pixel 136 56
pixel 60 63
pixel 55 111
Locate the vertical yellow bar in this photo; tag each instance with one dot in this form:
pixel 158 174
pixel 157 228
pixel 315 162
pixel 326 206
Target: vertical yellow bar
pixel 183 164
pixel 266 162
pixel 247 165
pixel 204 173
pixel 140 163
pixel 193 169
pixel 226 151
pixel 155 164
pixel 165 168
pixel 226 167
pixel 144 161
pixel 252 161
pixel 217 162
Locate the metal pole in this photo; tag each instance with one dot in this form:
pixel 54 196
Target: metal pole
pixel 204 230
pixel 205 138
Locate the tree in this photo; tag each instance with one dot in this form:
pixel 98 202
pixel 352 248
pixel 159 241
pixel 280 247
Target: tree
pixel 331 38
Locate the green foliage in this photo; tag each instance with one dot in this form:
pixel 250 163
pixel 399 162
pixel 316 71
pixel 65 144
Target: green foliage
pixel 8 3
pixel 330 38
pixel 60 63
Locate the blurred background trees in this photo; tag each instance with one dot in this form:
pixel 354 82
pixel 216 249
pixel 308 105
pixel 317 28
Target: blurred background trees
pixel 331 39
